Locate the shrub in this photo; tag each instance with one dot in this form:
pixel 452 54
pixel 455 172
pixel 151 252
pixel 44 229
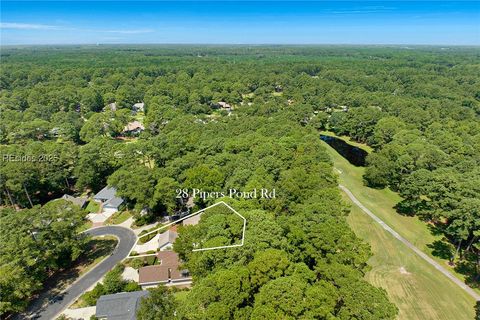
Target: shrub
pixel 113 281
pixel 132 286
pixel 137 263
pixel 91 297
pixel 147 238
pixel 150 260
pixel 143 220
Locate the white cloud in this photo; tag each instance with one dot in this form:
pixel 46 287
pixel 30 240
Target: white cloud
pixel 26 26
pixel 33 26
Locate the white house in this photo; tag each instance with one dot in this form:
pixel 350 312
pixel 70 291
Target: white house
pixel 107 197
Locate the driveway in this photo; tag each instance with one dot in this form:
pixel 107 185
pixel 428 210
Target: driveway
pixel 51 310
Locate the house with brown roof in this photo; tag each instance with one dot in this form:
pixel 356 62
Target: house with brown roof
pixel 223 105
pixel 133 128
pixel 167 272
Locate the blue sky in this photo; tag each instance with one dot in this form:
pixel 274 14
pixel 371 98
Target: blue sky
pixel 241 22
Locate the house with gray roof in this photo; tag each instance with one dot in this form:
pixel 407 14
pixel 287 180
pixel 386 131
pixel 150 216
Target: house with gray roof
pixel 119 306
pixel 107 196
pixel 79 201
pixel 167 239
pixel 138 107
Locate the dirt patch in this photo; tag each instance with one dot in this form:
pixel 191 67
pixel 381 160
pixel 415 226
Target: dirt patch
pixel 402 270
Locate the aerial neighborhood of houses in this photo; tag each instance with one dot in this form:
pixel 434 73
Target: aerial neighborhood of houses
pixel 135 127
pixel 107 203
pixel 166 268
pixel 157 263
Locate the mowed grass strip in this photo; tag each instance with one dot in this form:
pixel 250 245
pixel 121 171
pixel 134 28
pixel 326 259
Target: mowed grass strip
pixel 381 202
pixel 118 217
pixel 413 285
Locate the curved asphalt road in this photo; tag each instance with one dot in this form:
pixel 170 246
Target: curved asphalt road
pixel 422 255
pixel 126 241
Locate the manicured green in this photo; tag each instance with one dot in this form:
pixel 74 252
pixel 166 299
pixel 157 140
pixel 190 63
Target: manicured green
pixel 425 293
pixel 414 286
pixel 382 202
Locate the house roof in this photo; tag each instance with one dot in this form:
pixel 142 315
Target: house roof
pixel 192 220
pixel 153 274
pixel 168 258
pixel 134 125
pixel 168 236
pixel 190 202
pixel 115 202
pixel 168 269
pixel 106 193
pixel 75 200
pixel 224 105
pixel 119 306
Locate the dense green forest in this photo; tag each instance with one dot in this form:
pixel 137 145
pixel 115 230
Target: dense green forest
pixel 418 108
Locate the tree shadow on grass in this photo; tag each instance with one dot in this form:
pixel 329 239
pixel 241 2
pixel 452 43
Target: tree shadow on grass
pixel 441 249
pixel 468 268
pixel 404 209
pixel 477 310
pixel 435 229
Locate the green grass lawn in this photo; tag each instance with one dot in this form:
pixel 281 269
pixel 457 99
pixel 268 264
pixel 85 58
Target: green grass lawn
pixel 93 206
pixel 139 116
pixel 381 202
pixel 85 226
pixel 416 287
pixel 98 249
pixel 348 140
pixel 118 217
pixel 157 227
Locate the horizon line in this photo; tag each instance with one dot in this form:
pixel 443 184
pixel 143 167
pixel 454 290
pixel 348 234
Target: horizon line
pixel 237 44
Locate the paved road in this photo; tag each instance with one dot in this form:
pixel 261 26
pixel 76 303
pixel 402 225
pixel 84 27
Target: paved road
pixel 422 255
pixel 126 241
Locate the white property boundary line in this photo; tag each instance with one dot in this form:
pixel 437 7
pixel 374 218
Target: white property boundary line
pixel 186 217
